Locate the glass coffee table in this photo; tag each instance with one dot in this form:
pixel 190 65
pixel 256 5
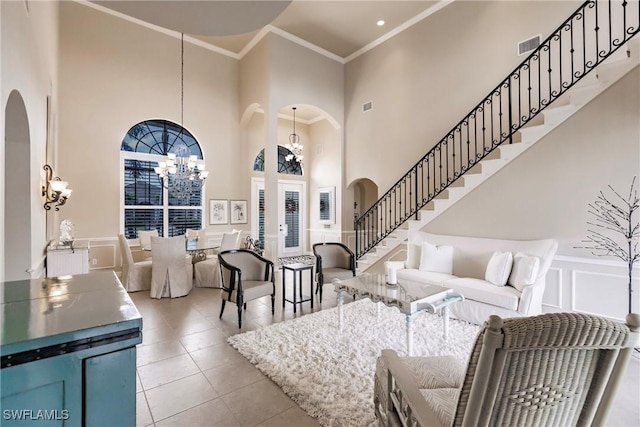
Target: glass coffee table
pixel 409 297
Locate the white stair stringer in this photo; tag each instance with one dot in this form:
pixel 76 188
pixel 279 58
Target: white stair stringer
pixel 601 78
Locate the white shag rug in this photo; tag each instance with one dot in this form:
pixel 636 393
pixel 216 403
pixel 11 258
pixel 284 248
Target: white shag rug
pixel 330 374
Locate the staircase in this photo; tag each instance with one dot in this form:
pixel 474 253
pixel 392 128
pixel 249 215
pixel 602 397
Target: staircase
pixel 538 96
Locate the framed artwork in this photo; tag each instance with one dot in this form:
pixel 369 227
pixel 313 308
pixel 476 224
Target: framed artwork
pixel 218 211
pixel 327 205
pixel 238 211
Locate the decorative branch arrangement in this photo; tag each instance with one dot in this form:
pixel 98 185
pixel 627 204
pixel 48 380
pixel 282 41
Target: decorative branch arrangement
pixel 620 218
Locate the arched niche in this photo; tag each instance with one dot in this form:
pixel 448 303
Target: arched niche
pixel 17 190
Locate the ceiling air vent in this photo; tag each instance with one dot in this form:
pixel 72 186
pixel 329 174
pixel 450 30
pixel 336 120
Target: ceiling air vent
pixel 367 106
pixel 528 45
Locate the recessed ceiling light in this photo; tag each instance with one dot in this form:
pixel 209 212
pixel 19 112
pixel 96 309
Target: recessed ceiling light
pixel 380 23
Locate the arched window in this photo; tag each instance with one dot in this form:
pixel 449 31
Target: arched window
pixel 147 204
pixel 288 167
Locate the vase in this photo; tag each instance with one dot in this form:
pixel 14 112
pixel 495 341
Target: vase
pixel 633 321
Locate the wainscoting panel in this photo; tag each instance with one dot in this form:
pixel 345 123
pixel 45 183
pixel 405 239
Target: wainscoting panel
pixel 320 235
pixel 102 256
pixel 590 285
pixel 553 290
pixel 599 293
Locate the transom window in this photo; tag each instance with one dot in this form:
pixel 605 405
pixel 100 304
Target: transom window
pixel 287 167
pixel 147 203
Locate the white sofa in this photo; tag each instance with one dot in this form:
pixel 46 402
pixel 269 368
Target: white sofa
pixel 468 271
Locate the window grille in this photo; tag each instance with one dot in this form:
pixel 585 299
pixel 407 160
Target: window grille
pixel 147 204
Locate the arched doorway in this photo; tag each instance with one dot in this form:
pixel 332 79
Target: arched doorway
pixel 361 195
pixel 290 222
pixel 17 190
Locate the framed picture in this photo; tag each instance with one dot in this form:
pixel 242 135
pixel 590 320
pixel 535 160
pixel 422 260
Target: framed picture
pixel 238 211
pixel 327 205
pixel 218 212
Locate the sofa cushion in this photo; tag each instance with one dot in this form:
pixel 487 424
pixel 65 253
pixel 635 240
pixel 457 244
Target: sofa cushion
pixel 499 268
pixel 485 292
pixel 438 259
pixel 524 271
pixel 472 253
pixel 415 240
pixel 427 277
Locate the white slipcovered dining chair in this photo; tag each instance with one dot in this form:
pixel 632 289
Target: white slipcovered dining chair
pixel 195 234
pixel 144 238
pixel 207 271
pixel 136 276
pixel 172 271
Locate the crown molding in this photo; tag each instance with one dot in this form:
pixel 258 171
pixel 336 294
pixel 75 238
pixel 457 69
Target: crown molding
pixel 157 28
pixel 397 30
pixel 274 30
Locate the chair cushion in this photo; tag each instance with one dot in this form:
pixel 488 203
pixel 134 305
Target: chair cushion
pixel 335 273
pixel 253 289
pixel 443 401
pixel 485 292
pixel 428 372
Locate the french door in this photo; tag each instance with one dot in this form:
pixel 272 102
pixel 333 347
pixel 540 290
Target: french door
pixel 291 206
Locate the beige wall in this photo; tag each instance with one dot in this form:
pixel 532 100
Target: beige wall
pixel 545 192
pixel 115 74
pixel 29 66
pixel 423 81
pixel 325 156
pixel 293 76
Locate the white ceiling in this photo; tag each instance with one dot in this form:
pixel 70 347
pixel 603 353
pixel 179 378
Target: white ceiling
pixel 339 28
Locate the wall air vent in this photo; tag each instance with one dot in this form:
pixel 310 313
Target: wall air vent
pixel 528 45
pixel 367 106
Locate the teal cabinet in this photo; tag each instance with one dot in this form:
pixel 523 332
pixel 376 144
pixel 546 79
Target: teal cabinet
pixel 68 352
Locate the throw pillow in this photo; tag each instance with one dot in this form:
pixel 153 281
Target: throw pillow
pixel 414 248
pixel 437 259
pixel 499 268
pixel 525 271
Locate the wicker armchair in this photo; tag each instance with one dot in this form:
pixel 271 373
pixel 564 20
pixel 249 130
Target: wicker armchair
pixel 556 369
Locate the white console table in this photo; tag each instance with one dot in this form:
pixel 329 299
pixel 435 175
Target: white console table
pixel 65 260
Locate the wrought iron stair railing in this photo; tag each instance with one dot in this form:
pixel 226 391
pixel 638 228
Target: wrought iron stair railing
pixel 588 37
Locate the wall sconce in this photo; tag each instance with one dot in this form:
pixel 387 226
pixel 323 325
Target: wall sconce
pixel 54 190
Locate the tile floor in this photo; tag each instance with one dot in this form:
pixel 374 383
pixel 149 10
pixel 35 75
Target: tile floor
pixel 187 374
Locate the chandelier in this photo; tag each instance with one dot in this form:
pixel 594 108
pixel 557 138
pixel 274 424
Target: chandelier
pixel 181 175
pixel 294 143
